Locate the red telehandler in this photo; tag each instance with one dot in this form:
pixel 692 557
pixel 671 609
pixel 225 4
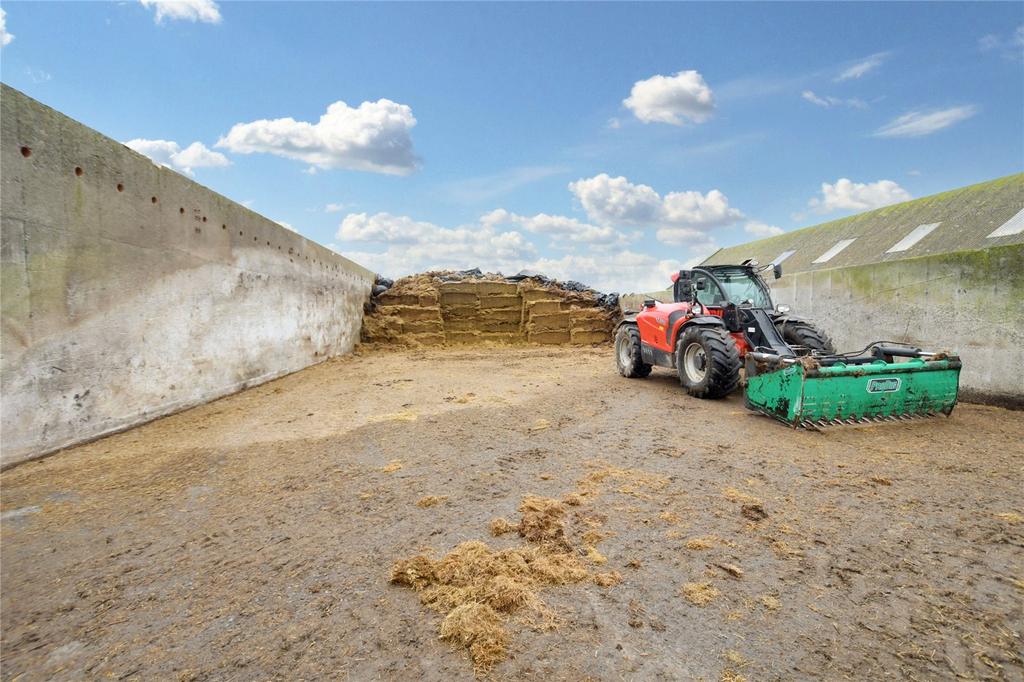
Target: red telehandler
pixel 723 319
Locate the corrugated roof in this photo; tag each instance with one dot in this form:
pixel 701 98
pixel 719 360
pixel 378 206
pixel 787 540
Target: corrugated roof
pixel 966 217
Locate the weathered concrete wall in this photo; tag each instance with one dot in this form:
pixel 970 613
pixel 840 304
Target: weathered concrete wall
pixel 129 291
pixel 969 302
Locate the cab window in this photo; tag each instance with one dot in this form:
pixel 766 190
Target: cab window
pixel 712 294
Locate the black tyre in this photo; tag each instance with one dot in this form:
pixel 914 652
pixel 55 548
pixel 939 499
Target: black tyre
pixel 805 337
pixel 707 361
pixel 627 353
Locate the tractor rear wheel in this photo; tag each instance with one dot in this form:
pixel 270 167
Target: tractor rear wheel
pixel 806 336
pixel 707 361
pixel 627 353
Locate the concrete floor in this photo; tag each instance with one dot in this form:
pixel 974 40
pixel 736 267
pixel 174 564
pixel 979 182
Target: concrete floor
pixel 253 537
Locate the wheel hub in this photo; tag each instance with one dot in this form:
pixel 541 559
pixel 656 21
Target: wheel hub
pixel 695 362
pixel 625 356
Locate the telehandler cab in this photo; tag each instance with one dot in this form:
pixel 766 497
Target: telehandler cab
pixel 723 318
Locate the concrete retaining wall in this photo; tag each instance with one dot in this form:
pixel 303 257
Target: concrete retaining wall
pixel 970 302
pixel 129 291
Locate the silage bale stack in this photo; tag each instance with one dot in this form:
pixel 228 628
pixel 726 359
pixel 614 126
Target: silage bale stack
pixel 457 308
pixel 480 310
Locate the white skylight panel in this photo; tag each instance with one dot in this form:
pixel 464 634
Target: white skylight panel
pixel 782 256
pixel 1014 225
pixel 916 235
pixel 831 253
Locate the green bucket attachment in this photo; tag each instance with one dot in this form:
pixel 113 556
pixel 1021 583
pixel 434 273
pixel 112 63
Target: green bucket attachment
pixel 803 393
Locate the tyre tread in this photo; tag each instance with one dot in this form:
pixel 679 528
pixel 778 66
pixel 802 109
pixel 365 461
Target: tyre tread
pixel 638 369
pixel 723 362
pixel 806 334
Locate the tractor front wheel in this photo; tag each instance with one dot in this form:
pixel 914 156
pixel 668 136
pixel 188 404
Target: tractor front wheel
pixel 627 353
pixel 805 337
pixel 708 362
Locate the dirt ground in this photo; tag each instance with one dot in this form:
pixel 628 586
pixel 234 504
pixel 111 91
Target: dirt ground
pixel 253 538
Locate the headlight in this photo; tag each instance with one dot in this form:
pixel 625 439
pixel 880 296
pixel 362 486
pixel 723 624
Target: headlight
pixel 782 308
pixel 696 309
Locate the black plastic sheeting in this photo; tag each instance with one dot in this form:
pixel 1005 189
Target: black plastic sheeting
pixel 610 301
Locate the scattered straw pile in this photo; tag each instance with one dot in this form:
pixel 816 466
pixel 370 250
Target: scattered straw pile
pixel 1011 517
pixel 501 526
pixel 480 589
pixel 734 495
pixel 431 501
pixel 609 579
pixel 703 542
pixel 699 594
pixel 542 521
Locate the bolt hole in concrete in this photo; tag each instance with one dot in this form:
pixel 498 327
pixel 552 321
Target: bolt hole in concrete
pixel 120 187
pixel 239 233
pixel 181 211
pixel 26 152
pixel 204 219
pixel 223 227
pixel 152 200
pixel 79 171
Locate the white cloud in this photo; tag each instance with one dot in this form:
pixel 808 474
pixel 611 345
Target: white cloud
pixel 555 226
pixel 37 75
pixel 287 226
pixel 759 229
pixel 612 201
pixel 197 155
pixel 371 137
pixel 170 154
pixel 918 123
pixel 613 123
pixel 5 37
pixel 846 195
pixel 862 67
pixel 205 11
pixel 416 246
pixel 989 42
pixel 1011 47
pixel 681 217
pixel 671 99
pixel 814 99
pixel 334 208
pixel 622 271
pixel 829 101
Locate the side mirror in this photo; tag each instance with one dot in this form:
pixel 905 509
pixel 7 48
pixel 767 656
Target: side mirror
pixel 777 269
pixel 702 283
pixel 649 302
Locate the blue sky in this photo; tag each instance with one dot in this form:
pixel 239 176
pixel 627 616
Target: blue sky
pixel 609 143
